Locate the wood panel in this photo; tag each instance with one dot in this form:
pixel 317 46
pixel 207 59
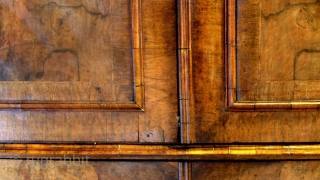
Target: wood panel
pixel 271 55
pixel 257 170
pixel 187 58
pixel 71 55
pixel 157 123
pixel 86 170
pixel 213 124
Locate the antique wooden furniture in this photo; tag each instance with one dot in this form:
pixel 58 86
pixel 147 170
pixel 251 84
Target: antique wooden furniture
pixel 137 89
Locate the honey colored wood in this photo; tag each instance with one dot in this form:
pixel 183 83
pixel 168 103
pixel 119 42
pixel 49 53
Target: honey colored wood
pixel 162 152
pixel 265 71
pixel 186 114
pixel 213 124
pixel 185 67
pixel 256 170
pixel 93 170
pixel 157 123
pixel 185 70
pixel 62 61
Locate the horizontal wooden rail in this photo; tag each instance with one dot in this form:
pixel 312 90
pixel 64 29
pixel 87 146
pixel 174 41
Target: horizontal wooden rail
pixel 161 152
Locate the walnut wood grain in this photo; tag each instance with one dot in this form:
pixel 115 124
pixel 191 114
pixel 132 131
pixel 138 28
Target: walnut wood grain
pixel 157 123
pixel 265 71
pixel 93 170
pixel 87 61
pixel 281 170
pixel 209 79
pixel 212 122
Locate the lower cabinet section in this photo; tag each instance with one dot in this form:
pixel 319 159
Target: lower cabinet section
pixel 85 170
pixel 274 170
pixel 99 170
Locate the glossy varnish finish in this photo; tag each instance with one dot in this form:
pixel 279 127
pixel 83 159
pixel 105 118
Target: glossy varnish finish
pixel 210 62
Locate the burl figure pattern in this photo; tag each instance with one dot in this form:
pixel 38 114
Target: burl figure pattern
pixel 55 41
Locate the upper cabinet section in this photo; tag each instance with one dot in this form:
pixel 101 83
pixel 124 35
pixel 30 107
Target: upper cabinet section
pixel 71 54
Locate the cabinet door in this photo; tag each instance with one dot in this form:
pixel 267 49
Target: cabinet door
pixel 86 73
pixel 260 85
pixel 256 87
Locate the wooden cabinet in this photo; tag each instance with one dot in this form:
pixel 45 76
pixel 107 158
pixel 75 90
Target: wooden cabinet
pixel 159 89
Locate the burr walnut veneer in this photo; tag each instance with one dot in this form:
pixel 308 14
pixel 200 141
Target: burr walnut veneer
pixel 160 89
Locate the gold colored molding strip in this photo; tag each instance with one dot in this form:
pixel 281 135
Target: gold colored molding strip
pixel 162 152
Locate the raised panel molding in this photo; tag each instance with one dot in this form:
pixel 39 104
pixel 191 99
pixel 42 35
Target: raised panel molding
pixel 74 66
pixel 266 68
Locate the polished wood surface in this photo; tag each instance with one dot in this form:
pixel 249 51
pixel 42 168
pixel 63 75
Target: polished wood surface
pixel 161 152
pixel 213 124
pixel 185 69
pixel 35 169
pixel 281 170
pixel 224 82
pixel 53 56
pixel 214 87
pixel 131 43
pixel 265 69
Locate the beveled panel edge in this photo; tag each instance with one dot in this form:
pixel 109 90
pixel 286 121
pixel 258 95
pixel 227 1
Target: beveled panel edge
pixel 151 152
pixel 231 103
pixel 136 105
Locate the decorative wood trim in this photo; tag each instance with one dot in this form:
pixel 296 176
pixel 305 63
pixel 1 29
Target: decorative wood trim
pixel 231 72
pixel 71 106
pixel 185 71
pixel 138 55
pixel 185 170
pixel 162 152
pixel 136 105
pixel 230 53
pixel 185 82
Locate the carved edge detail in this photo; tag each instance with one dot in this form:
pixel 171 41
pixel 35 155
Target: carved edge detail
pixel 136 105
pixel 231 72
